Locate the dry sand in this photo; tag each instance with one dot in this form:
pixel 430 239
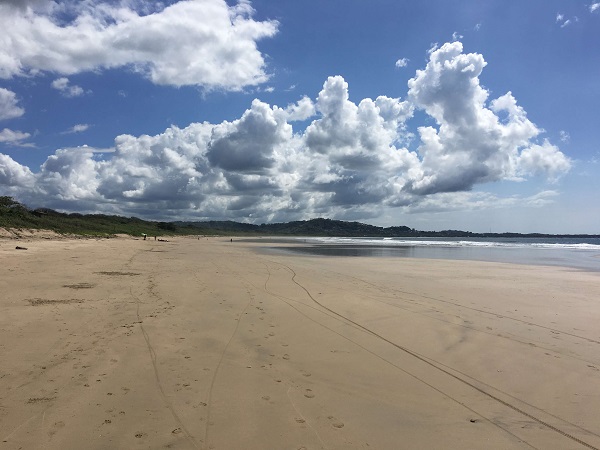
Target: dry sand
pixel 201 344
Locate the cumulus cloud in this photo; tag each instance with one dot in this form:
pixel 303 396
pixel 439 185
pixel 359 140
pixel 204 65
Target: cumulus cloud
pixel 475 141
pixel 545 159
pixel 13 137
pixel 349 162
pixel 9 108
pixel 14 177
pixel 247 145
pixel 402 62
pixel 204 43
pixel 302 110
pixel 66 89
pixel 595 7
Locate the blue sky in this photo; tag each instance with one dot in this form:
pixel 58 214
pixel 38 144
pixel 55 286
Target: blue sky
pixel 437 115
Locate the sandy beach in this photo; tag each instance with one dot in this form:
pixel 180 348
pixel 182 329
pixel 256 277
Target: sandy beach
pixel 211 344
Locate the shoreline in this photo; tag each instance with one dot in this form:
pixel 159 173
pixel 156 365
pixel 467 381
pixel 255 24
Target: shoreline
pixel 125 343
pixel 587 260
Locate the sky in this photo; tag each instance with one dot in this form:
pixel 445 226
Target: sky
pixel 471 115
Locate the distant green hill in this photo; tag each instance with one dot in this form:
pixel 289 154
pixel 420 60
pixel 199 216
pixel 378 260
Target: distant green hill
pixel 14 215
pixel 313 227
pixel 17 216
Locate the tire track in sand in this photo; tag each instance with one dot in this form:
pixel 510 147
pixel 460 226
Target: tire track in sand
pixel 433 364
pixel 288 301
pixel 216 371
pixel 153 359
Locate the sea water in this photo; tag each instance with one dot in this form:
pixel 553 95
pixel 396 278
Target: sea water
pixel 577 253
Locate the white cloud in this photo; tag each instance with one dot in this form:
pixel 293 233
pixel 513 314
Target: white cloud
pixel 545 159
pixel 457 36
pixel 66 89
pixel 595 7
pixel 541 198
pixel 301 110
pixel 474 142
pixel 9 108
pixel 477 201
pixel 403 62
pixel 247 145
pixel 205 43
pixel 69 176
pixel 350 162
pixel 563 21
pixel 564 136
pixel 560 19
pixel 88 149
pixel 15 177
pixel 13 137
pixel 79 128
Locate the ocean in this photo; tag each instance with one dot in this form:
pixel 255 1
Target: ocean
pixel 576 253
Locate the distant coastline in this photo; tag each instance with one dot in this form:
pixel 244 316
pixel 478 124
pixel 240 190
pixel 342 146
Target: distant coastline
pixel 14 215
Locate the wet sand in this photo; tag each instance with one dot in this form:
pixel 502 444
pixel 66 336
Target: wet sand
pixel 201 344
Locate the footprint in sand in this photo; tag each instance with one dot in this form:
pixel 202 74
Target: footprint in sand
pixel 299 420
pixel 57 426
pixel 335 423
pixel 309 393
pixel 286 356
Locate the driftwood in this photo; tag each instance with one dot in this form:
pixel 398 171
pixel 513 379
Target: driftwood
pixel 21 248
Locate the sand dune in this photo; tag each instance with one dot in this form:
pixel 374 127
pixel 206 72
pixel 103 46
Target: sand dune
pixel 202 344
